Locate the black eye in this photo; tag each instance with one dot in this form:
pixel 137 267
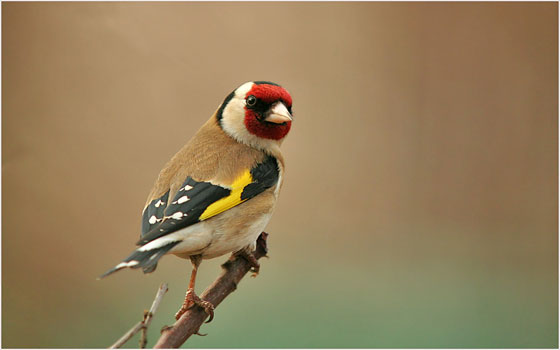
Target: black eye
pixel 251 101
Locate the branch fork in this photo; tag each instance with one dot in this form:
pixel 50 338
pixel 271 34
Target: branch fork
pixel 143 325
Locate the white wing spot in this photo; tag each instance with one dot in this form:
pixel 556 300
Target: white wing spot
pixel 178 215
pixel 186 188
pixel 153 220
pixel 158 203
pixel 182 199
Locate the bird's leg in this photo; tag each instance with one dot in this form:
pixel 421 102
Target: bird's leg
pixel 247 254
pixel 191 298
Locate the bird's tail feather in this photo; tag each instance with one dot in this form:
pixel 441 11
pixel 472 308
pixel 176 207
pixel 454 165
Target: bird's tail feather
pixel 145 259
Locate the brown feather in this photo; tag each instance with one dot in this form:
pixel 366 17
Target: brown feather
pixel 211 155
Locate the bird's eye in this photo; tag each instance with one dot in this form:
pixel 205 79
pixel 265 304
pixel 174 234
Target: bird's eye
pixel 251 101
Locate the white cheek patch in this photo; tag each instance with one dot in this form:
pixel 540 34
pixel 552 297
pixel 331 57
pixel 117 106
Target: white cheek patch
pixel 233 119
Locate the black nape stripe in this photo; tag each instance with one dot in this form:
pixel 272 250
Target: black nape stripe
pixel 220 112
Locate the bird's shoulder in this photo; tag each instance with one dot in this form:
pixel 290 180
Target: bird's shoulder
pixel 210 174
pixel 210 155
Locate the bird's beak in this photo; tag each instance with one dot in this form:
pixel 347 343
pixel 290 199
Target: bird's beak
pixel 278 114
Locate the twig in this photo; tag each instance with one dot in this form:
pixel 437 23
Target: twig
pixel 127 335
pixel 143 333
pixel 233 271
pixel 143 325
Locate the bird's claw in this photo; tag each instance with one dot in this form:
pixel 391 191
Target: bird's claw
pixel 255 266
pixel 191 299
pixel 208 308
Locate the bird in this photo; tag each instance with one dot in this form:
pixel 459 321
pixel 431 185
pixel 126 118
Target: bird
pixel 218 192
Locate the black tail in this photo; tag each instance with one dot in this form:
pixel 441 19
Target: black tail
pixel 147 259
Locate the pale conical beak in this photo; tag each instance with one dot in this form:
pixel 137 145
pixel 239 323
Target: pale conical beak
pixel 278 114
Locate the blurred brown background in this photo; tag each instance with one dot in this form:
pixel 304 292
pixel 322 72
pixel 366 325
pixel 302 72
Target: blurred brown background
pixel 420 203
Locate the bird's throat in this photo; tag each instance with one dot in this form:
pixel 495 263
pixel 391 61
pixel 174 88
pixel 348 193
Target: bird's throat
pixel 265 129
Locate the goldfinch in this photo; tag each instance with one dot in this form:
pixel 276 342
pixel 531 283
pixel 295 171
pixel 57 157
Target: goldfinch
pixel 217 194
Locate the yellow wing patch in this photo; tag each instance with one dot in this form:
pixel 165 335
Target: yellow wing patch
pixel 230 201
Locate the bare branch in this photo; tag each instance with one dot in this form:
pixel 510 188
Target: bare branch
pixel 143 325
pixel 127 335
pixel 233 271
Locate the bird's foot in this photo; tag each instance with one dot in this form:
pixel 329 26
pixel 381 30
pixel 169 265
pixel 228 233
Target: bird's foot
pixel 248 255
pixel 191 299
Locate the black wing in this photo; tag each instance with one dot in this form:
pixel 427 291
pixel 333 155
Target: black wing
pixel 194 198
